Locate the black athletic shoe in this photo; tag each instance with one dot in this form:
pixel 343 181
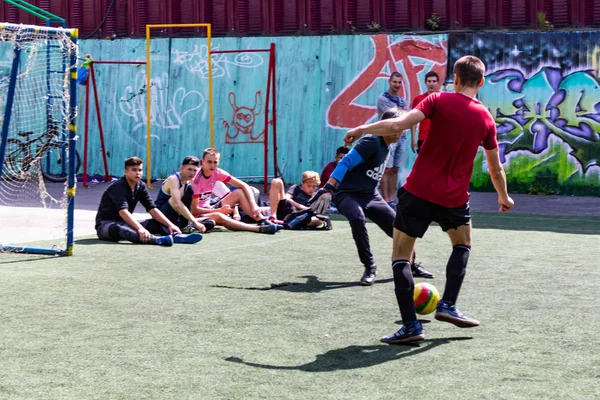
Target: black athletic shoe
pixel 369 276
pixel 420 272
pixel 208 223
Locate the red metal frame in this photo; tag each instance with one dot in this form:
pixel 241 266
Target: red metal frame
pixel 92 77
pixel 270 95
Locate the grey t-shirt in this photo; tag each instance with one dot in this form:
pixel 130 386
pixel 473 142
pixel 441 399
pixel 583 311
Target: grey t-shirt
pixel 387 101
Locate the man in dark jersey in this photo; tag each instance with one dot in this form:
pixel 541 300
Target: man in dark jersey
pixel 174 198
pixel 437 188
pixel 114 220
pixel 354 184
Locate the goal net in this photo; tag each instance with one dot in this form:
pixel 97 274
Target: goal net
pixel 37 142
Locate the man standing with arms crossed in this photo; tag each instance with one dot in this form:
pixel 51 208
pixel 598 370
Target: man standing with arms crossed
pixel 387 100
pixel 437 188
pixel 432 81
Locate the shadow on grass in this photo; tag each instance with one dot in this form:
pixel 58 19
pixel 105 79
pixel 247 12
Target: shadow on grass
pixel 312 285
pixel 27 259
pixel 354 357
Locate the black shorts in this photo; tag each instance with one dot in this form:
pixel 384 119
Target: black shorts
pixel 414 215
pixel 284 208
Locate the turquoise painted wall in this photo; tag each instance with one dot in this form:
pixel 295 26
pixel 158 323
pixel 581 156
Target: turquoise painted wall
pixel 325 85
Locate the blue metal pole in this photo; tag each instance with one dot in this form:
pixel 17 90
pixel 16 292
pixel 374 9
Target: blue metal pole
pixel 9 101
pixel 71 188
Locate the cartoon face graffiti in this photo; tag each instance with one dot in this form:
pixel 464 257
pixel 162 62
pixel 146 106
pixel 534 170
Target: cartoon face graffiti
pixel 245 117
pixel 243 120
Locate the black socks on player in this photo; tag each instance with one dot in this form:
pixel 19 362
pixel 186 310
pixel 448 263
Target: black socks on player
pixel 404 287
pixel 455 272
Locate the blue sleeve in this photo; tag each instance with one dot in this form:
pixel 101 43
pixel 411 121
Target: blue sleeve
pixel 350 160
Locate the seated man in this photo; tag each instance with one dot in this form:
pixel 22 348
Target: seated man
pixel 339 154
pixel 285 204
pixel 204 183
pixel 114 220
pixel 174 198
pixel 353 184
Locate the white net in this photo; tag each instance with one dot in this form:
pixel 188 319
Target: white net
pixel 33 195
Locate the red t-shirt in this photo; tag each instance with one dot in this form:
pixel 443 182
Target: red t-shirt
pixel 443 170
pixel 424 125
pixel 327 171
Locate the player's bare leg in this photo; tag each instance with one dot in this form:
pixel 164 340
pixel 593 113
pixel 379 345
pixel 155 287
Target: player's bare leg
pixel 233 225
pixel 276 194
pixel 238 196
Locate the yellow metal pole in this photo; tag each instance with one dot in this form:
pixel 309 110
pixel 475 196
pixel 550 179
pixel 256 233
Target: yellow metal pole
pixel 210 89
pixel 149 93
pixel 148 101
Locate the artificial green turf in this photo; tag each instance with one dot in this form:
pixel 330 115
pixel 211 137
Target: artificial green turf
pixel 248 316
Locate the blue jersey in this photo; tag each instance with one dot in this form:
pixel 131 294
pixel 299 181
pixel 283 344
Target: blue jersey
pixel 364 167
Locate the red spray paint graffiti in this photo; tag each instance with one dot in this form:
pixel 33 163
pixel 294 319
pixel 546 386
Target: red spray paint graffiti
pixel 241 128
pixel 406 55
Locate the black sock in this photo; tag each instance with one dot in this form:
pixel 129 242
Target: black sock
pixel 455 272
pixel 404 287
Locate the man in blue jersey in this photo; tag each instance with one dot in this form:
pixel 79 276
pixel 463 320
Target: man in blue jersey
pixel 354 182
pixel 174 198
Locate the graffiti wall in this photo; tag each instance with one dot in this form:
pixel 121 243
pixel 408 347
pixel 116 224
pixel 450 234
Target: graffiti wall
pixel 543 89
pixel 325 85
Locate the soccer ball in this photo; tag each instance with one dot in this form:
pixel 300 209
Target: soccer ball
pixel 426 298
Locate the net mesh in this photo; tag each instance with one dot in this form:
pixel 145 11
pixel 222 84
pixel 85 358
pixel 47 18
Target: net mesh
pixel 33 195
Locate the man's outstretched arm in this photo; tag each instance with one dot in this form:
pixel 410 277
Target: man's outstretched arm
pixel 386 127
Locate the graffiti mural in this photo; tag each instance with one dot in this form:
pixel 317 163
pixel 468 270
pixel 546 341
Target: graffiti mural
pixel 543 90
pixel 411 56
pixel 196 61
pixel 243 118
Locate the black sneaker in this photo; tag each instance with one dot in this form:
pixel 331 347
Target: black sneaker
pixel 420 272
pixel 369 276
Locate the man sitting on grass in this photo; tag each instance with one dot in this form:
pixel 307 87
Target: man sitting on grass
pixel 114 220
pixel 284 205
pixel 204 183
pixel 174 198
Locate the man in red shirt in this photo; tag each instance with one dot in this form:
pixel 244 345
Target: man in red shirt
pixel 432 80
pixel 327 171
pixel 437 188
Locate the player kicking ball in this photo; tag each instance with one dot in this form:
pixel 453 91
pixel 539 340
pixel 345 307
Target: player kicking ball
pixel 114 220
pixel 353 185
pixel 437 188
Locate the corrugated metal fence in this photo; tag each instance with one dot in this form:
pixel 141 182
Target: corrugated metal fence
pixel 107 18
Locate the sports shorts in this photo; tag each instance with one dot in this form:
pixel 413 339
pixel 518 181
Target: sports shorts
pixel 397 150
pixel 414 215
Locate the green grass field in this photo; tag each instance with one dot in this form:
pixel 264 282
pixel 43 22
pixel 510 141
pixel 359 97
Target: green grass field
pixel 247 316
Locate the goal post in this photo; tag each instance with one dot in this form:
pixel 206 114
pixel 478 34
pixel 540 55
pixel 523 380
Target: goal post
pixel 37 143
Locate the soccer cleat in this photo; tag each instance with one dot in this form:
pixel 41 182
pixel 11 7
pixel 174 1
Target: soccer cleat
pixel 263 222
pixel 187 238
pixel 392 203
pixel 208 223
pixel 189 229
pixel 369 276
pixel 270 229
pixel 410 332
pixel 420 272
pixel 165 240
pixel 449 313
